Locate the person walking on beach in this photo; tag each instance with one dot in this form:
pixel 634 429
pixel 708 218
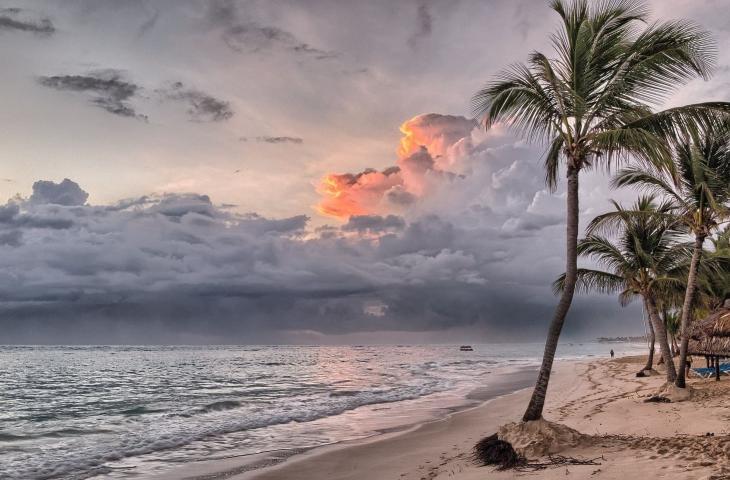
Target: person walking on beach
pixel 612 353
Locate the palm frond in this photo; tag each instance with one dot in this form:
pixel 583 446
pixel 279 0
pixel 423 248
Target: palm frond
pixel 592 280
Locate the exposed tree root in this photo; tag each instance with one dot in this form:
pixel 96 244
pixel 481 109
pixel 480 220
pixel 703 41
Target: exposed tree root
pixel 498 453
pixel 493 451
pixel 558 461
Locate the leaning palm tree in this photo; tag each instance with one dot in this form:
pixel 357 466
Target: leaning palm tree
pixel 700 193
pixel 592 104
pixel 643 261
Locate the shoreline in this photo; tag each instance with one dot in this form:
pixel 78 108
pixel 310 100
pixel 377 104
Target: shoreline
pixel 338 461
pixel 511 380
pixel 602 399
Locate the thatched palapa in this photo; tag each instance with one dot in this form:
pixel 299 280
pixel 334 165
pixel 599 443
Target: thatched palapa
pixel 711 336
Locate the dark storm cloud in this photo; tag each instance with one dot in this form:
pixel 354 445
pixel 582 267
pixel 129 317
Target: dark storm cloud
pixel 66 193
pixel 202 107
pixel 260 225
pixel 274 140
pixel 172 266
pixel 107 89
pixel 22 20
pixel 479 249
pixel 399 196
pixel 374 223
pixel 177 205
pixel 50 218
pixel 8 212
pixel 12 238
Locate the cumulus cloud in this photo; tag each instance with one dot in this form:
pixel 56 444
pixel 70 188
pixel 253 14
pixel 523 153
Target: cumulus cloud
pixel 22 20
pixel 459 234
pixel 374 223
pixel 202 107
pixel 347 194
pixel 107 89
pixel 67 193
pixel 432 151
pixel 163 267
pixel 445 167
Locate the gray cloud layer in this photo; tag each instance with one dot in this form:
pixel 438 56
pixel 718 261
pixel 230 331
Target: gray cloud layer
pixel 244 35
pixel 22 20
pixel 111 91
pixel 108 89
pixel 201 106
pixel 464 237
pixel 176 267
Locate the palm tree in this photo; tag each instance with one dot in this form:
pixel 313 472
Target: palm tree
pixel 700 192
pixel 714 281
pixel 642 261
pixel 652 346
pixel 671 320
pixel 591 103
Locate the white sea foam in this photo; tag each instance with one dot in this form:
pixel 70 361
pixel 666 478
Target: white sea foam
pixel 94 410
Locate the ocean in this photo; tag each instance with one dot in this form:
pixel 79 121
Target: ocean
pixel 137 412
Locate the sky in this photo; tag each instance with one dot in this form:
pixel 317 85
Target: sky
pixel 228 171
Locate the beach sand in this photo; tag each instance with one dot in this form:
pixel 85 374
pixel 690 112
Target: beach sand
pixel 629 438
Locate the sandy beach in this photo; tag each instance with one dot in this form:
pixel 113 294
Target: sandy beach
pixel 629 438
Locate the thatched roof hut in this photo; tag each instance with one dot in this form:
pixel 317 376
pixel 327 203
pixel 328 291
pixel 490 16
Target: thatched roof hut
pixel 711 336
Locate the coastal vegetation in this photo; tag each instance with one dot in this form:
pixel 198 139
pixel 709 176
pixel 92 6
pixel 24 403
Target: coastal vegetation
pixel 593 104
pixel 643 260
pixel 626 339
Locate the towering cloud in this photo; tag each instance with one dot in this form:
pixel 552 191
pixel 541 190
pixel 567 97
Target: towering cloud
pixel 360 193
pixel 430 152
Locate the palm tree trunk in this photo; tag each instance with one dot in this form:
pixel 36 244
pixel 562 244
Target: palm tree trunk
pixel 652 341
pixel 537 402
pixel 661 335
pixel 689 297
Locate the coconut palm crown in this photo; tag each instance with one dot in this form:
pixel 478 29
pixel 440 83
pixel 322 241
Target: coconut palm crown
pixel 699 192
pixel 644 259
pixel 592 103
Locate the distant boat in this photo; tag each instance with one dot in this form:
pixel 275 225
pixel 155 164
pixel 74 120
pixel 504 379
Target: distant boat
pixel 466 348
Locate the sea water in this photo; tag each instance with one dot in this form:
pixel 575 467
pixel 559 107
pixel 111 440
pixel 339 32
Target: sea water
pixel 132 412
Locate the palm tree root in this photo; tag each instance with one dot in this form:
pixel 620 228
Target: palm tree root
pixel 491 451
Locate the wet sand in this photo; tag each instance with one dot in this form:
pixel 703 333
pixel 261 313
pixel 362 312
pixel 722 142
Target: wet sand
pixel 603 399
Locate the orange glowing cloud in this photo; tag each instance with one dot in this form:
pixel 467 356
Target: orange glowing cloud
pixel 430 148
pixel 438 134
pixel 344 195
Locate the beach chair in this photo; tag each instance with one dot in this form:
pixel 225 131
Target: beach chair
pixel 704 372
